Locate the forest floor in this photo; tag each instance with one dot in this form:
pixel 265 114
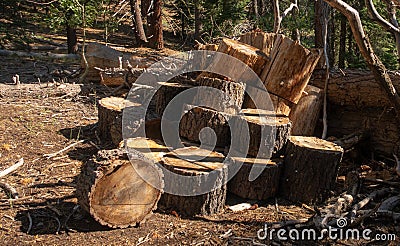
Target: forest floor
pixel 38 119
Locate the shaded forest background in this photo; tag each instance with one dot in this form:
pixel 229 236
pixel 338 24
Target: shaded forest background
pixel 184 21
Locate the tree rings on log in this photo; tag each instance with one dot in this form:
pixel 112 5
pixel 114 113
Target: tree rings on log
pixel 305 114
pixel 311 166
pixel 211 173
pixel 110 188
pixel 265 132
pixel 166 93
pixel 264 186
pixel 196 119
pixel 291 69
pixel 231 101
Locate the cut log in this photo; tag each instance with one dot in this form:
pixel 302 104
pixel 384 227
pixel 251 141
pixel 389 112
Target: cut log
pixel 249 55
pixel 209 203
pixel 110 188
pixel 166 93
pixel 197 118
pixel 311 166
pixel 305 114
pixel 265 132
pixel 264 186
pixel 153 150
pixel 280 105
pixel 261 40
pixel 231 103
pixel 117 77
pixel 211 47
pixel 290 69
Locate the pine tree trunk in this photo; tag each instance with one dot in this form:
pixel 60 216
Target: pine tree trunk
pixel 156 40
pixel 197 20
pixel 140 35
pixel 343 36
pixel 72 40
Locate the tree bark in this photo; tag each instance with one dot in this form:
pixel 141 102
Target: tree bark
pixel 342 46
pixel 156 40
pixel 140 35
pixel 373 62
pixel 166 93
pixel 197 20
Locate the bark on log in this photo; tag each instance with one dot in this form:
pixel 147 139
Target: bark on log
pixel 311 166
pixel 206 204
pixel 290 70
pixel 265 186
pixel 275 130
pixel 304 116
pixel 261 40
pixel 231 103
pixel 111 190
pixel 197 118
pixel 166 93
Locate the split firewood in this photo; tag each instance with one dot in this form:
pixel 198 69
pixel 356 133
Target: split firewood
pixel 264 186
pixel 185 161
pixel 111 188
pixel 261 40
pixel 311 166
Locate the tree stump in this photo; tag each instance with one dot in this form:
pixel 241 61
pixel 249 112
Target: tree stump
pixel 273 145
pixel 231 103
pixel 111 190
pixel 209 203
pixel 305 114
pixel 197 118
pixel 311 166
pixel 116 77
pixel 166 93
pixel 290 70
pixel 264 186
pixel 261 40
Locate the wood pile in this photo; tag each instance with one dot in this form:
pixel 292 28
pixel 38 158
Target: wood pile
pixel 232 139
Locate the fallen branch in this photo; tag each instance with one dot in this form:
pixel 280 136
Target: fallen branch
pixel 365 201
pixel 11 191
pixel 48 156
pixel 47 55
pixel 12 168
pixel 349 141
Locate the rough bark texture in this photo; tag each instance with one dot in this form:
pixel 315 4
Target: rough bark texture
pixel 156 40
pixel 310 171
pixel 166 93
pixel 111 190
pixel 290 70
pixel 304 116
pixel 109 113
pixel 140 35
pixel 198 118
pixel 231 103
pixel 206 204
pixel 276 132
pixel 261 40
pixel 265 186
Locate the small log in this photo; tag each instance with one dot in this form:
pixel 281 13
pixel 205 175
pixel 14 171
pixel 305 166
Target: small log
pixel 264 186
pixel 166 93
pixel 311 166
pixel 110 188
pixel 231 103
pixel 197 118
pixel 261 40
pixel 117 77
pixel 305 114
pixel 209 203
pixel 152 149
pixel 291 69
pixel 272 144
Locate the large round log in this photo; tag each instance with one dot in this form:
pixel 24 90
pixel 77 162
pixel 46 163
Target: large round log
pixel 110 188
pixel 311 166
pixel 166 93
pixel 231 103
pixel 209 203
pixel 276 132
pixel 305 114
pixel 264 186
pixel 197 118
pixel 290 69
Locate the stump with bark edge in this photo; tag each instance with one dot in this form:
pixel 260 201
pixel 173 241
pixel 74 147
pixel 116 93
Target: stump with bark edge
pixel 257 123
pixel 231 103
pixel 197 118
pixel 166 93
pixel 310 171
pixel 209 203
pixel 264 186
pixel 113 192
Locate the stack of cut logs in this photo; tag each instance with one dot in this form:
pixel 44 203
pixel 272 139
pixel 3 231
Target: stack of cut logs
pixel 295 166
